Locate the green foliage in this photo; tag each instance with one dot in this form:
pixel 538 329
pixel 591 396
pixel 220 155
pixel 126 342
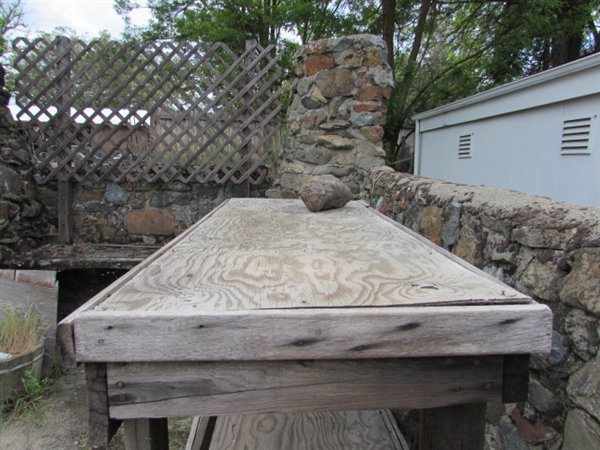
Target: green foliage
pixel 279 22
pixel 28 399
pixel 444 50
pixel 469 46
pixel 12 18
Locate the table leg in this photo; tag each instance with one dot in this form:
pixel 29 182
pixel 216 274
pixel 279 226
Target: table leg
pixel 146 434
pixel 201 433
pixel 101 428
pixel 456 427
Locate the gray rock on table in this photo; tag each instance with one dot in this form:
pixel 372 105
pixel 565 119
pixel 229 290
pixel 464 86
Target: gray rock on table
pixel 323 192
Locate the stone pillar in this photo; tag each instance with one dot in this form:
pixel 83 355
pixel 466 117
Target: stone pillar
pixel 336 114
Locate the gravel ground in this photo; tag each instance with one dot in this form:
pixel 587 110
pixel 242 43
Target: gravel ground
pixel 60 422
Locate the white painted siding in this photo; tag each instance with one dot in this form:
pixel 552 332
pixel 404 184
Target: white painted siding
pixel 516 144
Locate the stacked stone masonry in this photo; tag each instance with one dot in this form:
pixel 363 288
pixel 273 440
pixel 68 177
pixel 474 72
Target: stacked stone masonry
pixel 336 114
pixel 546 249
pixel 23 218
pixel 147 213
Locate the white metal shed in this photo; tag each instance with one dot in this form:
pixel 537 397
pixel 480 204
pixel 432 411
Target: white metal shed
pixel 538 135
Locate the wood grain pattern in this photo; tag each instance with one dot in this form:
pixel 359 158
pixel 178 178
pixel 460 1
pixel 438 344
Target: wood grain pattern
pixel 345 333
pixel 65 329
pixel 185 389
pixel 262 254
pixel 346 430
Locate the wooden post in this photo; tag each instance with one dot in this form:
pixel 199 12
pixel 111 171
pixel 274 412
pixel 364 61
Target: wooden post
pixel 201 433
pixel 456 427
pixel 146 434
pixel 63 116
pixel 65 212
pixel 101 428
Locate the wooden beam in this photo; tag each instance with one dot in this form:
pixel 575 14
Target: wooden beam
pixel 455 427
pixel 216 388
pixel 341 333
pixel 147 434
pixel 101 428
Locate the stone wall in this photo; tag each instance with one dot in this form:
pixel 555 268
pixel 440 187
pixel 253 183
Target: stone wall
pixel 546 249
pixel 336 114
pixel 23 219
pixel 148 213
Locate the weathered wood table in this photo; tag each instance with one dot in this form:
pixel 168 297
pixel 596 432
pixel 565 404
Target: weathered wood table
pixel 264 306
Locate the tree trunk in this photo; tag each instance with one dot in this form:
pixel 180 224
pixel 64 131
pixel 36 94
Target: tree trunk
pixel 389 27
pixel 402 90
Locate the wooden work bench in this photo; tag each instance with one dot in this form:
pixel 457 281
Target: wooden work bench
pixel 264 306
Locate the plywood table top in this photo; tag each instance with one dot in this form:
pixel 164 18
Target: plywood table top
pixel 275 254
pixel 271 280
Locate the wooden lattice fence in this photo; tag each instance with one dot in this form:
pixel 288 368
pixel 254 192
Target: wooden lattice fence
pixel 152 111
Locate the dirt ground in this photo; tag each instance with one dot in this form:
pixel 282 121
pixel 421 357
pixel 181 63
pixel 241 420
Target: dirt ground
pixel 60 422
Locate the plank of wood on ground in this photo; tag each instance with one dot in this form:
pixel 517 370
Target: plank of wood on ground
pixel 44 278
pixel 340 430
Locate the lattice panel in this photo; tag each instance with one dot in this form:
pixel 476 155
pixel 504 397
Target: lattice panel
pixel 153 111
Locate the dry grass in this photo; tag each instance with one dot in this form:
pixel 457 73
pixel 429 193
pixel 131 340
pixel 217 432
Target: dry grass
pixel 20 330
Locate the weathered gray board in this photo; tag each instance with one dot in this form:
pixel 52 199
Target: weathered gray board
pixel 155 390
pixel 23 288
pixel 341 430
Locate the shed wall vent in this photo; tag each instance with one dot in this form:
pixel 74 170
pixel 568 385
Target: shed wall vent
pixel 576 137
pixel 464 146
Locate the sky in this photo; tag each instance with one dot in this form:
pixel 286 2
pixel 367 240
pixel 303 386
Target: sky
pixel 85 16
